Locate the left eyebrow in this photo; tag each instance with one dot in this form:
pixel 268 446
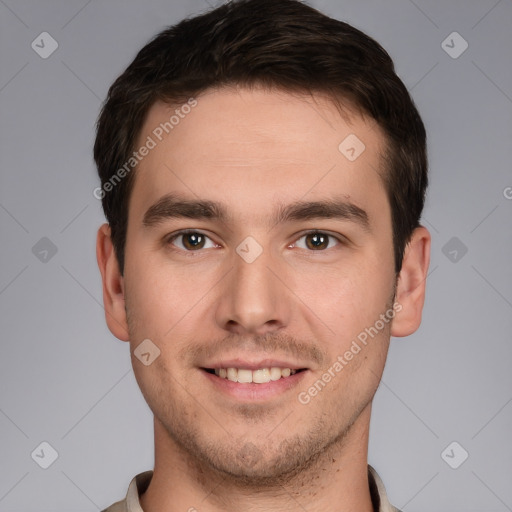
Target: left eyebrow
pixel 171 206
pixel 327 209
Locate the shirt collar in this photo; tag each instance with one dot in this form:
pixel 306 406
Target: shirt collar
pixel 138 486
pixel 140 483
pixel 378 493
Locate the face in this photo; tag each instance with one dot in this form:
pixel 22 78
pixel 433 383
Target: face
pixel 259 261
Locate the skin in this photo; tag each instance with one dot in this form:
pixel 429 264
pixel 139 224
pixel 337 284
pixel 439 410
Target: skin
pixel 253 150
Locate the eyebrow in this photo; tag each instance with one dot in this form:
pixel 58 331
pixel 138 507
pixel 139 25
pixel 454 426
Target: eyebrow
pixel 173 207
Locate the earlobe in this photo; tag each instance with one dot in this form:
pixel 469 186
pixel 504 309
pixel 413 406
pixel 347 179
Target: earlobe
pixel 411 284
pixel 113 284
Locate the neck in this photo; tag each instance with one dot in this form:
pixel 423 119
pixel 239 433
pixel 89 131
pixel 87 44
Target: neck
pixel 337 481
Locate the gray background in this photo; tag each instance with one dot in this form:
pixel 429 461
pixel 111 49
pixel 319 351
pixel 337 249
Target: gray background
pixel 66 380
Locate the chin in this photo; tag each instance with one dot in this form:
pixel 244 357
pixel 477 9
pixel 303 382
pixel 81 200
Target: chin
pixel 251 465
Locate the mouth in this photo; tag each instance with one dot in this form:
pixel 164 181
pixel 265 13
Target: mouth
pixel 257 376
pixel 253 382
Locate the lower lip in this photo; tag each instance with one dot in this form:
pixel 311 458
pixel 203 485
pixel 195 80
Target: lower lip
pixel 252 392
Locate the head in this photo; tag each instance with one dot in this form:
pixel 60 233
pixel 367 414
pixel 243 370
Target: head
pixel 286 145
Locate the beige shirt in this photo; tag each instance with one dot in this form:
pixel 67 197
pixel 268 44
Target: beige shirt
pixel 140 483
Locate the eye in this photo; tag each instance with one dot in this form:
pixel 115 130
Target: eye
pixel 316 241
pixel 189 240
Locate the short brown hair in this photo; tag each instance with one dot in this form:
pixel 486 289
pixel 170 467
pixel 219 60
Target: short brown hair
pixel 281 44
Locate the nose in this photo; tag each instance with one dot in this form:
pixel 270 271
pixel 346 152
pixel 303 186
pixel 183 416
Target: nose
pixel 252 299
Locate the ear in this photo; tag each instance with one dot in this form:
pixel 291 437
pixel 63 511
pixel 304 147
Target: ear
pixel 410 291
pixel 113 284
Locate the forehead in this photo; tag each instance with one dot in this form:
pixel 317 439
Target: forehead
pixel 251 148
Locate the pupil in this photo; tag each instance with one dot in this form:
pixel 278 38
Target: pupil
pixel 193 240
pixel 317 240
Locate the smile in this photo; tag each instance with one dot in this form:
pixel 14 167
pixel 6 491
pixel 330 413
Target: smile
pixel 259 376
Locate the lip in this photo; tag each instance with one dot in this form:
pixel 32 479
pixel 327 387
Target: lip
pixel 252 392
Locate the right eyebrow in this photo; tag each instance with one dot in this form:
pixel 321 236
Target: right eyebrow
pixel 170 206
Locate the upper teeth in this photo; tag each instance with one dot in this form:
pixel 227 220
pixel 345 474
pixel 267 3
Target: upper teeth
pixel 259 376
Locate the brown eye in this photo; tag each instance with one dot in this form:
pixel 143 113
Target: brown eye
pixel 190 240
pixel 317 241
pixel 193 240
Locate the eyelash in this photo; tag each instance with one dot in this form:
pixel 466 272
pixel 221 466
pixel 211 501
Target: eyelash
pixel 176 235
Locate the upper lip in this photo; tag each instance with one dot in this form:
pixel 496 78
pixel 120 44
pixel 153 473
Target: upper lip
pixel 253 365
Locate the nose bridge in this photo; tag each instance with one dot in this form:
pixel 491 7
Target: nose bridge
pixel 252 298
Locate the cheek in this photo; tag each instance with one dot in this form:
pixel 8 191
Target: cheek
pixel 348 297
pixel 166 301
pixel 154 298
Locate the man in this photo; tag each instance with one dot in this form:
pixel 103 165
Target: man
pixel 263 172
